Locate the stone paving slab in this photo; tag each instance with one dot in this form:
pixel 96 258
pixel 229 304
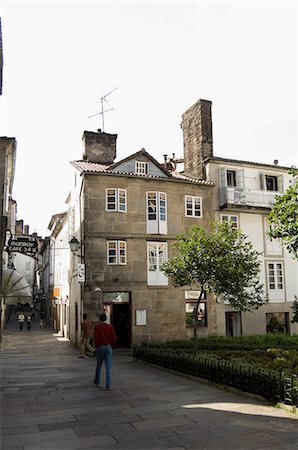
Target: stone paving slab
pixel 49 402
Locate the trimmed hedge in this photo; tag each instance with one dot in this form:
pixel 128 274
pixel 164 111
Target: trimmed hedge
pixel 269 384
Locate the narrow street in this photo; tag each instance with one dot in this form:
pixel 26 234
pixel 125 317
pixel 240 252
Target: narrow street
pixel 48 401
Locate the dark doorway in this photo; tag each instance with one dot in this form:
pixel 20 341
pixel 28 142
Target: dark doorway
pixel 121 323
pixel 233 324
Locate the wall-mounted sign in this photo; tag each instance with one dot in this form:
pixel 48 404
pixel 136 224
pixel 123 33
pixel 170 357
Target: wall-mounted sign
pixel 193 295
pixel 81 273
pixel 141 317
pixel 57 292
pixel 23 244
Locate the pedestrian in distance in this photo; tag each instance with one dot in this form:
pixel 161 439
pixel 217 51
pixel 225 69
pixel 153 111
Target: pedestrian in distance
pixel 86 333
pixel 21 319
pixel 28 321
pixel 104 338
pixel 41 324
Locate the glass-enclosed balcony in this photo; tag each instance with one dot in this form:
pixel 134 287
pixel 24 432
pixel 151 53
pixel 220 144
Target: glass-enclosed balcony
pixel 246 197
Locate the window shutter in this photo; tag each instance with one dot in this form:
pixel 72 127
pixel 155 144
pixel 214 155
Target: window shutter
pixel 280 184
pixel 223 177
pixel 163 223
pixel 262 182
pixel 240 178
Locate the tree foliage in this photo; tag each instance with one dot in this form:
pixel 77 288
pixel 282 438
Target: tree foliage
pixel 284 216
pixel 221 261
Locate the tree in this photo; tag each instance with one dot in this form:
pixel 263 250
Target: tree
pixel 284 216
pixel 220 260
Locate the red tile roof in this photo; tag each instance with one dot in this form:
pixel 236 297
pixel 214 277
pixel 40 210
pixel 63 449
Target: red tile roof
pixel 88 167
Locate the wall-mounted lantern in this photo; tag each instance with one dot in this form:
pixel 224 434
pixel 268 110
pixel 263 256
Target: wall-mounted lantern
pixel 75 246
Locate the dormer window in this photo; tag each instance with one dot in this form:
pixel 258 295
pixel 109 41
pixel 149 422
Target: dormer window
pixel 141 168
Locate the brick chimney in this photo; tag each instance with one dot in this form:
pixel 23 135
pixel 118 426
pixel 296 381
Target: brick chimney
pixel 99 147
pixel 197 138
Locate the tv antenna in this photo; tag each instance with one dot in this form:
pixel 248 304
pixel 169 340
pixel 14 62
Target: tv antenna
pixel 102 112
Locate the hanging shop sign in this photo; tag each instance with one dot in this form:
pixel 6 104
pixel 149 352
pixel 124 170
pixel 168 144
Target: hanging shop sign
pixel 23 244
pixel 81 273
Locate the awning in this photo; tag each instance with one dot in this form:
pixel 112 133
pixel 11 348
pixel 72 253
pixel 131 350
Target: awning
pixel 15 288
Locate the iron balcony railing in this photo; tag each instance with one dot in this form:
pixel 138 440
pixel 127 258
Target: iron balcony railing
pixel 271 385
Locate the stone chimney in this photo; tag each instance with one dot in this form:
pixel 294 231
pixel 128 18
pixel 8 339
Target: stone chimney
pixel 197 138
pixel 99 147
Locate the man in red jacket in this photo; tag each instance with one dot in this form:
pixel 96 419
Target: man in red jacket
pixel 104 339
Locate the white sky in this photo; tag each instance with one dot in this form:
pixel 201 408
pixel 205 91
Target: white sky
pixel 60 58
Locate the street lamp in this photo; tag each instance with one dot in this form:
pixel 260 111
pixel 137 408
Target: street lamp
pixel 75 246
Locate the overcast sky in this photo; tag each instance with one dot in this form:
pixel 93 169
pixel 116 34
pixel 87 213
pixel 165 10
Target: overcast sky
pixel 60 58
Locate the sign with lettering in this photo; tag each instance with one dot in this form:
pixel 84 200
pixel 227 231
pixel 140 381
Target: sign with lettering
pixel 193 295
pixel 81 273
pixel 23 244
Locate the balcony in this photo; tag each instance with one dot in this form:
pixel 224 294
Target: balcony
pixel 233 196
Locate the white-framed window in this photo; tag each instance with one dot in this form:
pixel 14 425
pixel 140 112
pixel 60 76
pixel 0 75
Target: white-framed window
pixel 201 317
pixel 141 167
pixel 116 253
pixel 156 213
pixel 193 206
pixel 116 200
pixel 273 246
pixel 157 255
pixel 277 323
pixel 230 218
pixel 275 281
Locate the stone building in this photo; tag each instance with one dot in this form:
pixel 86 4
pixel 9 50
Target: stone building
pixel 125 216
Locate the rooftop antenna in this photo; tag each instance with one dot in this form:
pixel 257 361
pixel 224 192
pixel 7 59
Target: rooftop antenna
pixel 102 112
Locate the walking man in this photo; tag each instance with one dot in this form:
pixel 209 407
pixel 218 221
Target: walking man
pixel 21 319
pixel 86 333
pixel 104 338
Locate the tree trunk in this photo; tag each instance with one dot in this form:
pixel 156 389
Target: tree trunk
pixel 195 331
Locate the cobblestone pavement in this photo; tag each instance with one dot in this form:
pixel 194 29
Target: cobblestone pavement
pixel 48 401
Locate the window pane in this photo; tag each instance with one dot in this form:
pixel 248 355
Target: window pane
pixel 162 254
pixel 122 200
pixel 112 252
pixel 152 257
pixel 231 178
pixel 197 206
pixel 152 206
pixel 111 199
pixel 122 252
pixel 189 206
pixel 162 206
